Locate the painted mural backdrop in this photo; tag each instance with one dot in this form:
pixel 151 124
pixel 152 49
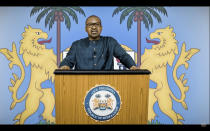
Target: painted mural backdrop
pixel 172 42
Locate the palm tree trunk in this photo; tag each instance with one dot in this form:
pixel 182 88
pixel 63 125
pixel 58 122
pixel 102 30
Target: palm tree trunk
pixel 138 42
pixel 58 41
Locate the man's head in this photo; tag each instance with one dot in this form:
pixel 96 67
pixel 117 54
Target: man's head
pixel 93 27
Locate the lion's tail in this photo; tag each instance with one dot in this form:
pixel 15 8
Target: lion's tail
pixel 16 82
pixel 183 58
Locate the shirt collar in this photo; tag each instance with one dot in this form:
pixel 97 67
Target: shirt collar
pixel 95 40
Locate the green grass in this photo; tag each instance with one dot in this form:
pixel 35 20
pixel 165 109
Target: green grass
pixel 154 122
pixel 43 122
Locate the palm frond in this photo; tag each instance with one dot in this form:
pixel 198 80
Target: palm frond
pixel 52 20
pixel 71 13
pixel 67 20
pixel 117 10
pixel 56 8
pixel 125 13
pixel 145 21
pixel 35 10
pixel 149 18
pixel 155 14
pixel 48 17
pixel 42 14
pixel 130 20
pixel 140 8
pixel 161 10
pixel 78 9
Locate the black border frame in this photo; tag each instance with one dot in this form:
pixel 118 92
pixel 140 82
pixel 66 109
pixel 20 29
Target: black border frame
pixel 104 3
pixel 109 3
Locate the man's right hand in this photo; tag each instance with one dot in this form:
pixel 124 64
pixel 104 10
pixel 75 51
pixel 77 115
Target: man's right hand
pixel 64 68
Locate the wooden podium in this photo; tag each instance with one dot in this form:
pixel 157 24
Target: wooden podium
pixel 72 87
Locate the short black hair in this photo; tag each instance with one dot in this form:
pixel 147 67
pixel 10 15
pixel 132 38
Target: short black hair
pixel 93 16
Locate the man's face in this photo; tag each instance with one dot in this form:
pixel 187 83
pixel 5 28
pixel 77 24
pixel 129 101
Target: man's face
pixel 93 28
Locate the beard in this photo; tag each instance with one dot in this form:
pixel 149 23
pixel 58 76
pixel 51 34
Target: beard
pixel 94 36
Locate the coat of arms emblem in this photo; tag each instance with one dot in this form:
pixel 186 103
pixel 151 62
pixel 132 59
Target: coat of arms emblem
pixel 102 102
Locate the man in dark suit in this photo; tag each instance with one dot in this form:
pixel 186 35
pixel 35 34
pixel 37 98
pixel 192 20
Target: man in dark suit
pixel 95 52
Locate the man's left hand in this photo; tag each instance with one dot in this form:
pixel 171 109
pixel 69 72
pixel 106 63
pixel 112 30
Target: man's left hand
pixel 133 68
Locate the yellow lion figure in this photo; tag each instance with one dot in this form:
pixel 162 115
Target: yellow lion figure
pixel 156 60
pixel 43 64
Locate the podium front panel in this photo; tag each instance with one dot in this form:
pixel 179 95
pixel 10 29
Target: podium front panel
pixel 71 89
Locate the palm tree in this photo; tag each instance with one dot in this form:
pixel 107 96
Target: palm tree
pixel 139 14
pixel 58 14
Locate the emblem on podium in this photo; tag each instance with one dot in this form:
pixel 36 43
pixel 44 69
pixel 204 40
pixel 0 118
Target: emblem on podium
pixel 102 103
